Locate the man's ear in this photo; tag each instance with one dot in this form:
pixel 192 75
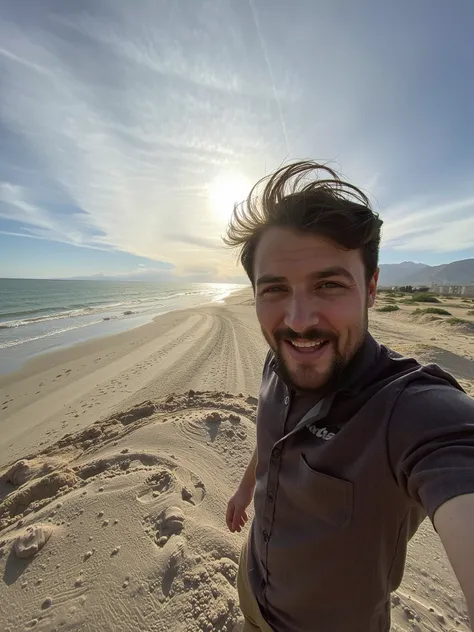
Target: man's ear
pixel 372 289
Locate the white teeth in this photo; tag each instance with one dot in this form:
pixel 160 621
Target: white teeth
pixel 311 343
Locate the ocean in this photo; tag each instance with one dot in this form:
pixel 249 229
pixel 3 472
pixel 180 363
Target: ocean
pixel 42 315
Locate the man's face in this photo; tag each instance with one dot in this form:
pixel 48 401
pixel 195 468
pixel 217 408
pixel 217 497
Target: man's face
pixel 312 299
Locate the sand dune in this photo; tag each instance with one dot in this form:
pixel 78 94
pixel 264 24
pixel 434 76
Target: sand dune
pixel 135 503
pixel 119 457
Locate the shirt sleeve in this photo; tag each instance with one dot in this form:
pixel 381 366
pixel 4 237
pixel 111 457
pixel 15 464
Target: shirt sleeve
pixel 431 444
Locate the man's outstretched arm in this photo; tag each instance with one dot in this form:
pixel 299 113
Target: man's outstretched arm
pixel 454 522
pixel 236 515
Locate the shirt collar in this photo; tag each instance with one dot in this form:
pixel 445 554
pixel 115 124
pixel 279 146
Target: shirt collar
pixel 357 372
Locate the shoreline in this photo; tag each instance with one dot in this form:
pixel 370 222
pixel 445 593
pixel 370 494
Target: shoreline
pixel 74 386
pixel 17 364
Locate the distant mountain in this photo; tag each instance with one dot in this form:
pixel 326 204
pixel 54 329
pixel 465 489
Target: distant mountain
pixel 163 276
pixel 122 277
pixel 409 273
pixel 455 273
pixel 396 273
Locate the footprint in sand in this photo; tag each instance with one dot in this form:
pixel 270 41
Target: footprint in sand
pixel 182 482
pixel 167 524
pixel 157 484
pixel 172 565
pixel 170 522
pixel 193 493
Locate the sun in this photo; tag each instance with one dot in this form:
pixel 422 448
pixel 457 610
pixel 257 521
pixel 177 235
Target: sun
pixel 225 191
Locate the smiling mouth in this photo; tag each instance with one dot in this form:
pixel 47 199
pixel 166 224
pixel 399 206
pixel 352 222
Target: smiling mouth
pixel 306 347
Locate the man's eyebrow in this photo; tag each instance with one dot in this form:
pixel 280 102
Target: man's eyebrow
pixel 270 278
pixel 332 272
pixel 316 276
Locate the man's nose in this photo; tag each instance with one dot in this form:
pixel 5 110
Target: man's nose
pixel 301 314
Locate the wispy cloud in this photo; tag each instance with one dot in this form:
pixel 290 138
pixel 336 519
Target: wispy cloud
pixel 41 223
pixel 122 116
pixel 154 49
pixel 118 137
pixel 270 72
pixel 431 227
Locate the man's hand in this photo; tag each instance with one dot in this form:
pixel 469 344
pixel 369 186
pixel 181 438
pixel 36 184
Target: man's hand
pixel 236 516
pixel 453 522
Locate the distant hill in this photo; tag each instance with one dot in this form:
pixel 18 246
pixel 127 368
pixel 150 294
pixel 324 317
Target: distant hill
pixel 396 273
pixel 121 277
pixel 409 273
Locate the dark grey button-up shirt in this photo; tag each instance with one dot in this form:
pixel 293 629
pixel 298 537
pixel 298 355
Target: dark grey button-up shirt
pixel 344 482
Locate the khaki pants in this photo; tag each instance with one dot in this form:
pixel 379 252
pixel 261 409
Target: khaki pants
pixel 254 622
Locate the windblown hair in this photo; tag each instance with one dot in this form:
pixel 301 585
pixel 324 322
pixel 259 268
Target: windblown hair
pixel 294 197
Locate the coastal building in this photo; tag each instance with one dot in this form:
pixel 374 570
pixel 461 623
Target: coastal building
pixel 454 290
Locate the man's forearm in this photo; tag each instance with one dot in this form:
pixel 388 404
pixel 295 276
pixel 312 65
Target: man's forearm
pixel 248 479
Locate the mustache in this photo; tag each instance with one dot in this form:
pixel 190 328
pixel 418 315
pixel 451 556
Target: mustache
pixel 310 334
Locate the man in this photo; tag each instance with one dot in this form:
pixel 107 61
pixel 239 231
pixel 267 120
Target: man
pixel 356 445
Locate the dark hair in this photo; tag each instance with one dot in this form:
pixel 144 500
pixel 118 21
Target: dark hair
pixel 293 197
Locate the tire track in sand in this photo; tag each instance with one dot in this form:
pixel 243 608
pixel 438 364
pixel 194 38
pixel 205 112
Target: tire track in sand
pixel 222 357
pixel 90 386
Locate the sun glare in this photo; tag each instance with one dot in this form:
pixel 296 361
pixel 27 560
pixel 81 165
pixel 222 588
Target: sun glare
pixel 226 190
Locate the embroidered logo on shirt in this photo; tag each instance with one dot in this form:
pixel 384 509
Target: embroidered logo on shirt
pixel 322 433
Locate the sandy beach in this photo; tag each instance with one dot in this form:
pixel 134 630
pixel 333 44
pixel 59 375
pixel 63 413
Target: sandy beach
pixel 118 457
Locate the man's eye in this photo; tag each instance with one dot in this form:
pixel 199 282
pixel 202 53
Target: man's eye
pixel 273 289
pixel 329 285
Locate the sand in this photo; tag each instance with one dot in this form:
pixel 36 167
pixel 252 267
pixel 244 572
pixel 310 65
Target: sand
pixel 117 460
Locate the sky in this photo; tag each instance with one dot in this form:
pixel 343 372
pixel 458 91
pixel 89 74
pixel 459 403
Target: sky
pixel 128 129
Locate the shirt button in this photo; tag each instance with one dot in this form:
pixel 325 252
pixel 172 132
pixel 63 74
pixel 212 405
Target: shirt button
pixel 276 452
pixel 270 497
pixel 287 400
pixel 265 535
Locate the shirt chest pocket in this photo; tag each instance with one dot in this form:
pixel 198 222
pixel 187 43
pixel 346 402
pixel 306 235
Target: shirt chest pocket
pixel 326 498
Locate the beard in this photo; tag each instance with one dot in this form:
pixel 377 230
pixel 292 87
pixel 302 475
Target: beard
pixel 306 378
